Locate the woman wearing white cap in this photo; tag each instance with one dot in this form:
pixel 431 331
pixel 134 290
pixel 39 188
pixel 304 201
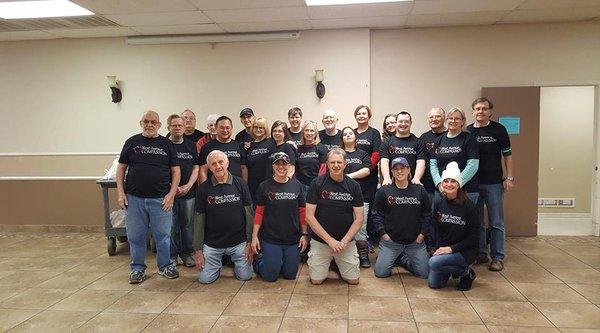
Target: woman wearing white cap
pixel 455 233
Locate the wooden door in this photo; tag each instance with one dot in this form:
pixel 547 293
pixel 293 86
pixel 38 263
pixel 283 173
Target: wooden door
pixel 520 204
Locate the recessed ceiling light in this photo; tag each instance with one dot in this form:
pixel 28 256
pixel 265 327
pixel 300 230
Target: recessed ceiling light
pixel 346 2
pixel 41 8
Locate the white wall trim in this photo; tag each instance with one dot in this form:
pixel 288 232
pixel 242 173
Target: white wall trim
pixel 58 154
pixel 566 224
pixel 52 178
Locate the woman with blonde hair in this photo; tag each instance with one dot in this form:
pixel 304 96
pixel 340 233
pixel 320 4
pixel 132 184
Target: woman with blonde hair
pixel 257 155
pixel 311 155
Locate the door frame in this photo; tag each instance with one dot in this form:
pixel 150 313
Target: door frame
pixel 595 209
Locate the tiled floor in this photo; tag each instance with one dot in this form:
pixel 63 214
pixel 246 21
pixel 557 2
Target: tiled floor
pixel 66 282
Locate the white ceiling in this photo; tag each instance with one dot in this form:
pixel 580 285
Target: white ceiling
pixel 172 17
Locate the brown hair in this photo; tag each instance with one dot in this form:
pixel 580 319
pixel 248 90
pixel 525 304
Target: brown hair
pixel 342 143
pixel 294 111
pixel 385 133
pixel 358 108
pixel 461 198
pixel 286 132
pixel 482 100
pixel 171 117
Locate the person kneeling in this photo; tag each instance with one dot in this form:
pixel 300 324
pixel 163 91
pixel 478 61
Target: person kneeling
pixel 401 213
pixel 456 229
pixel 279 223
pixel 223 222
pixel 334 212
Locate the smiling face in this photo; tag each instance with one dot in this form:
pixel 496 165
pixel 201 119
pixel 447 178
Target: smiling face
pixel 400 172
pixel 482 112
pixel 150 124
pixel 455 122
pixel 218 164
pixel 349 138
pixel 280 169
pixel 436 118
pixel 309 133
pixel 403 123
pixel 247 120
pixel 390 124
pixel 278 134
pixel 330 120
pixel 295 120
pixel 450 186
pixel 224 129
pixel 336 164
pixel 362 116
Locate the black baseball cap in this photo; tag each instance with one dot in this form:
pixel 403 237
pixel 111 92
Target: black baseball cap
pixel 246 111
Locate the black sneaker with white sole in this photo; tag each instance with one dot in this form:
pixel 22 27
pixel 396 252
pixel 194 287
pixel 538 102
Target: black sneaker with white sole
pixel 137 277
pixel 170 272
pixel 466 281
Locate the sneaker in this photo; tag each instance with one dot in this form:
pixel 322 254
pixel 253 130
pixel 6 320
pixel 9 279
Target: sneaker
pixel 483 259
pixel 363 256
pixel 137 277
pixel 170 272
pixel 188 261
pixel 466 281
pixel 496 265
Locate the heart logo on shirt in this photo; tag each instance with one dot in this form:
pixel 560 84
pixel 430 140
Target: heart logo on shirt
pixel 391 200
pixel 271 196
pixel 210 200
pixel 429 145
pixel 325 194
pixel 137 149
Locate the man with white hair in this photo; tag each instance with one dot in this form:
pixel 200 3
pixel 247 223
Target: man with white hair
pixel 190 131
pixel 330 137
pixel 211 122
pixel 223 222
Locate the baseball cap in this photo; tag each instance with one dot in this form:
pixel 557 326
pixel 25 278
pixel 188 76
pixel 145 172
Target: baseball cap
pixel 246 111
pixel 281 156
pixel 401 161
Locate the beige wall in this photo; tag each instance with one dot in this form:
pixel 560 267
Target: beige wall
pixel 416 69
pixel 566 146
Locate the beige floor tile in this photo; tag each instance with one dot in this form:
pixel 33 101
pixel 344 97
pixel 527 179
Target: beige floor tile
pixel 329 287
pixel 222 285
pixel 143 302
pixel 37 298
pixel 590 259
pixel 71 280
pixel 27 279
pixel 361 326
pixel 451 328
pixel 15 263
pixel 391 287
pixel 418 288
pixel 571 315
pixel 302 325
pixel 89 300
pixel 181 323
pixel 8 292
pixel 54 321
pixel 318 306
pixel 485 275
pixel 380 308
pixel 117 322
pixel 519 260
pixel 510 313
pixel 236 324
pixel 557 260
pixel 551 292
pixel 12 317
pixel 579 249
pixel 529 274
pixel 575 275
pixel 7 271
pixel 112 281
pixel 157 282
pixel 589 291
pixel 446 311
pixel 84 252
pixel 258 285
pixel 102 264
pixel 522 329
pixel 579 330
pixel 255 304
pixel 204 303
pixel 494 291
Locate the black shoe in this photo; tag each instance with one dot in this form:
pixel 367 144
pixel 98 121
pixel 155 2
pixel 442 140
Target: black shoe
pixel 483 259
pixel 188 261
pixel 137 277
pixel 363 256
pixel 466 281
pixel 170 272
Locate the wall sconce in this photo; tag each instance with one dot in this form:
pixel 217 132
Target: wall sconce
pixel 320 86
pixel 114 88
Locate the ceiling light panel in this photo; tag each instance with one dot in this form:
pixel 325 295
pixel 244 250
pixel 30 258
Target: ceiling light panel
pixel 43 8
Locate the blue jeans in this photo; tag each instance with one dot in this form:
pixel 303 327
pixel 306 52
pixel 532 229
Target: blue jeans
pixel 182 232
pixel 416 254
pixel 144 213
pixel 278 259
pixel 492 195
pixel 212 263
pixel 444 265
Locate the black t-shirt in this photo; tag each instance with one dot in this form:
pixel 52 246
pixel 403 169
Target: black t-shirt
pixel 330 141
pixel 243 137
pixel 369 141
pixel 296 137
pixel 284 147
pixel 186 153
pixel 194 137
pixel 335 204
pixel 149 162
pixel 234 151
pixel 355 161
pixel 257 162
pixel 409 147
pixel 456 226
pixel 281 221
pixel 493 142
pixel 428 141
pixel 407 211
pixel 459 149
pixel 223 205
pixel 308 162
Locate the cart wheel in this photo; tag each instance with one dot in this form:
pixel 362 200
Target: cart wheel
pixel 122 239
pixel 111 246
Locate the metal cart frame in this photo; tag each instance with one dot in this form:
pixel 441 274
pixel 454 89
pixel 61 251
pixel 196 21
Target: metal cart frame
pixel 112 234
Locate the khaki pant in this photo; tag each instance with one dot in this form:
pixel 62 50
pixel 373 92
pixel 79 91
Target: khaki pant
pixel 320 256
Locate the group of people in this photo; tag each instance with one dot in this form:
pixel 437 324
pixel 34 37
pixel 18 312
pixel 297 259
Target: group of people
pixel 274 194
